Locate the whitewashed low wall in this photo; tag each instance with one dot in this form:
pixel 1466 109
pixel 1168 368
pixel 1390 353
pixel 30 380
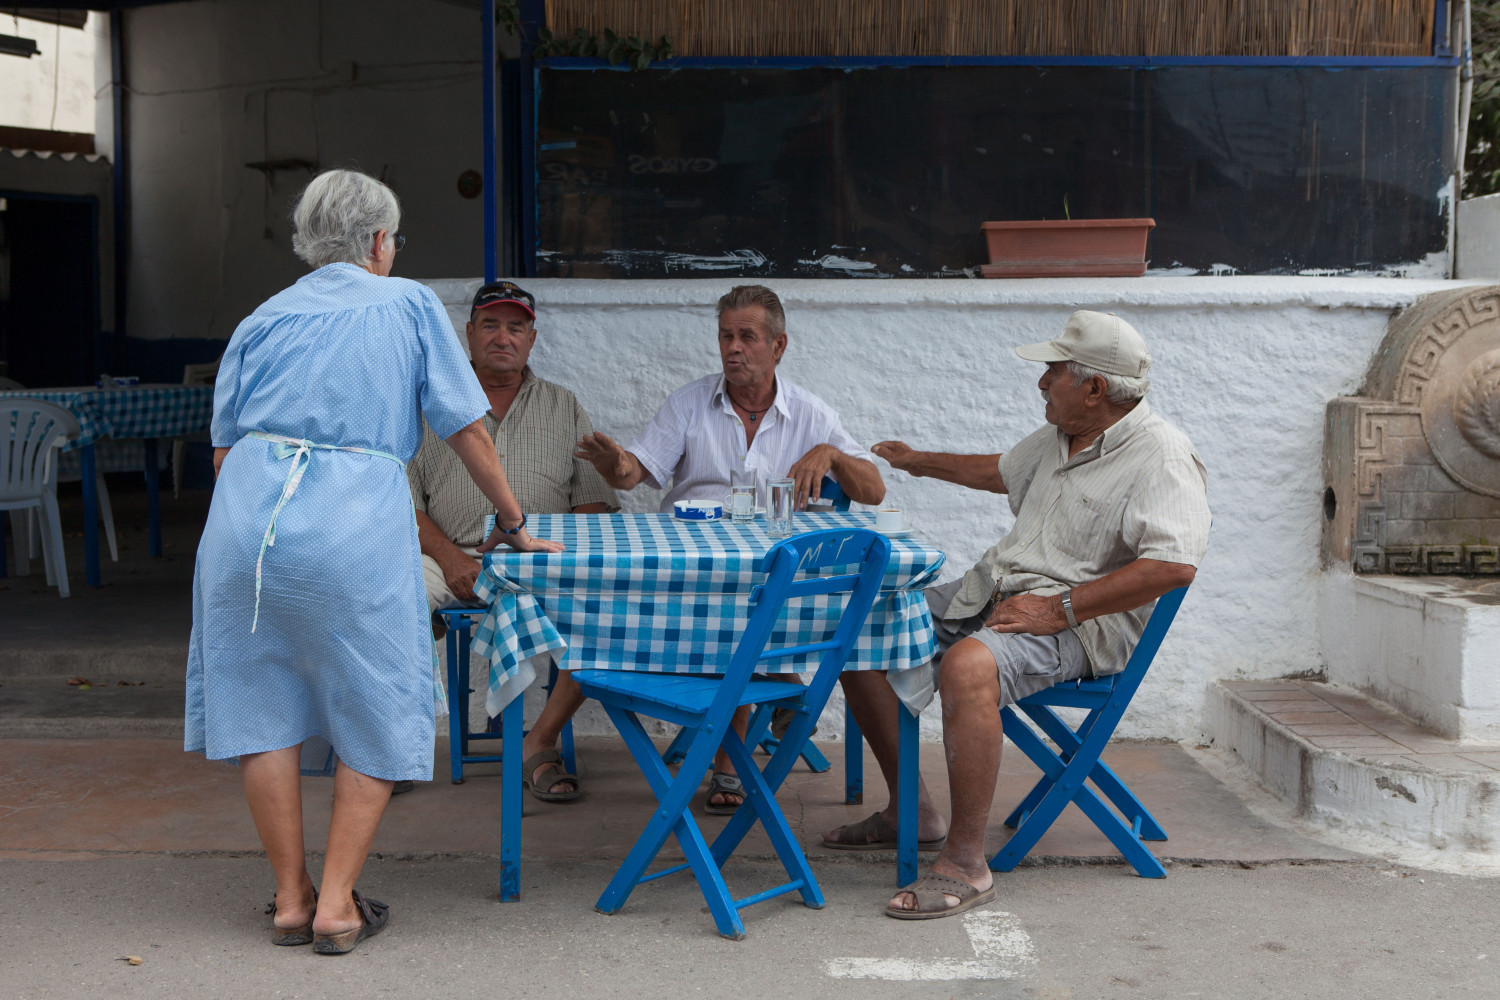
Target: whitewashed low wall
pixel 1245 366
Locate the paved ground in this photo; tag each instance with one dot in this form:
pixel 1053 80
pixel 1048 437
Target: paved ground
pixel 126 846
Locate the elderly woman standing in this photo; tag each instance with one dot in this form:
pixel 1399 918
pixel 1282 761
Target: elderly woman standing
pixel 311 651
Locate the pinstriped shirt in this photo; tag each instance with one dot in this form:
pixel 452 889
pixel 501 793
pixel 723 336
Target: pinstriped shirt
pixel 535 445
pixel 1139 491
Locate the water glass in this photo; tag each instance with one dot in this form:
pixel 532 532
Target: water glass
pixel 742 503
pixel 782 500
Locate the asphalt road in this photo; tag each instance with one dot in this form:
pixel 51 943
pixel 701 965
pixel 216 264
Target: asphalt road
pixel 1327 930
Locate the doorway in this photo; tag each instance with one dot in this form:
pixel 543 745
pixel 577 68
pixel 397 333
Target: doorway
pixel 49 288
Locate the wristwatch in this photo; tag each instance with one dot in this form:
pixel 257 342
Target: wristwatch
pixel 510 531
pixel 1067 603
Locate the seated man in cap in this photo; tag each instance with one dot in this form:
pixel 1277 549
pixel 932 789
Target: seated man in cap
pixel 1111 510
pixel 535 424
pixel 746 419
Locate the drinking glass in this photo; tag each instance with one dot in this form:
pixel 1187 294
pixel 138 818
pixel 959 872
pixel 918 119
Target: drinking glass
pixel 742 490
pixel 781 500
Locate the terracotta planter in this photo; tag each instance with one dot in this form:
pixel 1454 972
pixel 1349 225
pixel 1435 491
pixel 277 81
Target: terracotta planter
pixel 1084 248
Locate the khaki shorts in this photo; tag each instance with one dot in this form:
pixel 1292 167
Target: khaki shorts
pixel 438 594
pixel 1026 663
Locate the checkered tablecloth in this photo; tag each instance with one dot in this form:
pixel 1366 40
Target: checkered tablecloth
pixel 137 411
pixel 650 592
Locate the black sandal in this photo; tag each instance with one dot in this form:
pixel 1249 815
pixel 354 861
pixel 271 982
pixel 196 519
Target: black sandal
pixel 723 783
pixel 291 936
pixel 376 915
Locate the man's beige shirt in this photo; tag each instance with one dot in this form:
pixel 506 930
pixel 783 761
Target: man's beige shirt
pixel 535 444
pixel 1138 492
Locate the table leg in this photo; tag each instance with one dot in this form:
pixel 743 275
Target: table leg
pixel 854 760
pixel 90 516
pixel 908 771
pixel 510 801
pixel 153 499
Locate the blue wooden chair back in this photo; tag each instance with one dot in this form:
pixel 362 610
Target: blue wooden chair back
pixel 1065 773
pixel 833 493
pixel 791 569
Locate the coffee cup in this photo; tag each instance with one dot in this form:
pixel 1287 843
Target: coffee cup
pixel 888 519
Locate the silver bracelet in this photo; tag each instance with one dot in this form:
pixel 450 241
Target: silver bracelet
pixel 1067 603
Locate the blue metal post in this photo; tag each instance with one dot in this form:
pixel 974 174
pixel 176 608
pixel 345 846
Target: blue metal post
pixel 533 17
pixel 491 178
pixel 1440 29
pixel 119 209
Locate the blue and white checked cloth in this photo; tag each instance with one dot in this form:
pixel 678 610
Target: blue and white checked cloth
pixel 137 411
pixel 650 592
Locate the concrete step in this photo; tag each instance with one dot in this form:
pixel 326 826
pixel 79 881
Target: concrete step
pixel 49 707
pixel 1347 761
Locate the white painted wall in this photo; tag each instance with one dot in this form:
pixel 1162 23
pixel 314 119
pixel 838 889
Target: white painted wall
pixel 1478 238
pixel 1245 366
pixel 391 87
pixel 54 89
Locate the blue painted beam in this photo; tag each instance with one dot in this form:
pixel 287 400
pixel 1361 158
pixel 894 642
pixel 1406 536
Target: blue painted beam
pixel 491 179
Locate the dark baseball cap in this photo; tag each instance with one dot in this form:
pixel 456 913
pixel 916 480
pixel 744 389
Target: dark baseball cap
pixel 497 292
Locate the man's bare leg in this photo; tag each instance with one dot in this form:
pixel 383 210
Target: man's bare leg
pixel 741 723
pixel 874 706
pixel 972 740
pixel 566 699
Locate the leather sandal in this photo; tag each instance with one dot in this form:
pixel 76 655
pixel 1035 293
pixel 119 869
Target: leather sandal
pixel 931 892
pixel 291 936
pixel 550 776
pixel 723 783
pixel 376 915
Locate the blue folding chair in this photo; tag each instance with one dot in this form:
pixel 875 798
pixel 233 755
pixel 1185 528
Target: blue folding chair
pixel 507 729
pixel 705 705
pixel 757 733
pixel 1064 774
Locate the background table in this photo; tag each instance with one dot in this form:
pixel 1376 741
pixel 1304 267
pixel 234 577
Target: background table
pixel 650 592
pixel 148 412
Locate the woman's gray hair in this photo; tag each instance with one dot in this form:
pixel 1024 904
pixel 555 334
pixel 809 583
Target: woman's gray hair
pixel 1118 389
pixel 338 215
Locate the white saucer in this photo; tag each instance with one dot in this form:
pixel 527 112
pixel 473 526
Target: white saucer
pixel 900 533
pixel 758 511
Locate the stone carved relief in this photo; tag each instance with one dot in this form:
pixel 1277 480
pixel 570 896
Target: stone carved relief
pixel 1413 463
pixel 1476 404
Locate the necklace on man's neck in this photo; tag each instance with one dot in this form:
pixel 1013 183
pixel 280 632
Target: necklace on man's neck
pixel 754 414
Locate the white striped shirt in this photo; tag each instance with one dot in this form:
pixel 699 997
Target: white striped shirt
pixel 696 438
pixel 1139 491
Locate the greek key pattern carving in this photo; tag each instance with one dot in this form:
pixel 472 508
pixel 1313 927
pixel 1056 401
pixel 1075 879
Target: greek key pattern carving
pixel 1431 560
pixel 1422 357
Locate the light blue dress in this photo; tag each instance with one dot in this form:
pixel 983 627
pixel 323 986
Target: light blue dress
pixel 340 659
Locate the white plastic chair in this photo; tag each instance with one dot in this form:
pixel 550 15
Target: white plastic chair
pixel 191 375
pixel 31 432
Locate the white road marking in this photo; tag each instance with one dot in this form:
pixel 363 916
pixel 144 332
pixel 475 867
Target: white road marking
pixel 1002 950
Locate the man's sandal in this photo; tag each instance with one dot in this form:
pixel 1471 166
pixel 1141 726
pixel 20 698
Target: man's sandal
pixel 723 783
pixel 552 775
pixel 291 936
pixel 874 833
pixel 930 890
pixel 376 915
